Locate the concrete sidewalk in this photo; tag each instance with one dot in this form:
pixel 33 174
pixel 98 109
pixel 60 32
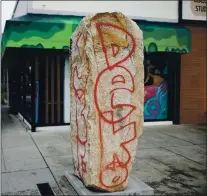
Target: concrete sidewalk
pixel 171 159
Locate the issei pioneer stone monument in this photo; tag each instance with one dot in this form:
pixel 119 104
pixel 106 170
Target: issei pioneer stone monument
pixel 107 96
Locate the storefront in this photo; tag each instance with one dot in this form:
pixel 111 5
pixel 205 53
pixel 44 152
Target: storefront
pixel 39 46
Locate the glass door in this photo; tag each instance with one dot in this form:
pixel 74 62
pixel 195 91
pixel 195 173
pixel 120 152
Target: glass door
pixel 156 87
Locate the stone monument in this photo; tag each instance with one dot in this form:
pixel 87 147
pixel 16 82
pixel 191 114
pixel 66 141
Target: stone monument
pixel 107 96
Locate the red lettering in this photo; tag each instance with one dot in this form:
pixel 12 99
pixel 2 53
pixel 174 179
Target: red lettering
pixel 114 117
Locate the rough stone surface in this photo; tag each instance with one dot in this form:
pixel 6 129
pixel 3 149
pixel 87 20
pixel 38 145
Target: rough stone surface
pixel 107 92
pixel 135 187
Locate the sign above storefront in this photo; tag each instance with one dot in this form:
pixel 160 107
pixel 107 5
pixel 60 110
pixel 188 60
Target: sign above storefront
pixel 194 10
pixel 198 7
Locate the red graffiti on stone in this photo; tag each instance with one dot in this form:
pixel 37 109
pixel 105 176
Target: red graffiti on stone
pixel 79 85
pixel 114 115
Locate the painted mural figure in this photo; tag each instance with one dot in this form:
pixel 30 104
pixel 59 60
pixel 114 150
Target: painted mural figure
pixel 107 96
pixel 155 101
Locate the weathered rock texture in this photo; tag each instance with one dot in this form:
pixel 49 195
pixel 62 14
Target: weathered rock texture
pixel 107 92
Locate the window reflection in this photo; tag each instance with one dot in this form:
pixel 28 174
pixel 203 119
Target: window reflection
pixel 25 91
pixel 28 104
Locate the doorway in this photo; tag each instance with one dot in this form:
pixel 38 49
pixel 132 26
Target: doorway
pixel 161 86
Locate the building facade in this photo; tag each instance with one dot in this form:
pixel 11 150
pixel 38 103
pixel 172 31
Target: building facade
pixel 38 38
pixel 193 76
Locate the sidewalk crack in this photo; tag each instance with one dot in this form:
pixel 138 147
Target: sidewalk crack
pixel 3 159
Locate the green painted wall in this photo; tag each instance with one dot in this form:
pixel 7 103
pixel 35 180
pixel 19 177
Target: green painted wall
pixel 53 32
pixel 166 39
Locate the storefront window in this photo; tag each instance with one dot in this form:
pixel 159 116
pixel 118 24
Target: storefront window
pixel 28 100
pixel 25 91
pixel 156 87
pixel 22 91
pixel 49 90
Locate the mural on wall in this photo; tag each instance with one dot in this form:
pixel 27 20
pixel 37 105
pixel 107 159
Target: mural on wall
pixel 156 90
pixel 39 31
pixel 107 96
pixel 52 32
pixel 163 38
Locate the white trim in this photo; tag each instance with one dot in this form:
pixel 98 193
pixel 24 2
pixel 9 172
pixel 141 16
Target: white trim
pixel 67 127
pixel 158 123
pixel 29 7
pixel 52 12
pixel 53 128
pixel 15 7
pixel 25 121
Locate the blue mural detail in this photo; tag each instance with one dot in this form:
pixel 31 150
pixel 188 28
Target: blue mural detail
pixel 156 102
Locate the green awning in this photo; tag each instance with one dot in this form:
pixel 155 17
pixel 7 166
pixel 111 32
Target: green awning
pixel 53 32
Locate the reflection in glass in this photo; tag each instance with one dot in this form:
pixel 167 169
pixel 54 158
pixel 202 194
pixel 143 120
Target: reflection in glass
pixel 26 91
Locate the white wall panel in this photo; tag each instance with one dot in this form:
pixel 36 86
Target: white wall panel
pixel 21 9
pixel 166 11
pixel 194 10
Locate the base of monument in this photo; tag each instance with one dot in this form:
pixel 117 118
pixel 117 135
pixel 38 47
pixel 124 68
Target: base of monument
pixel 135 187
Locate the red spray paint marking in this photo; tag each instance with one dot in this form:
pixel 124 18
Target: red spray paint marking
pixel 115 89
pixel 98 26
pixel 80 96
pixel 115 50
pixel 116 164
pixel 118 79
